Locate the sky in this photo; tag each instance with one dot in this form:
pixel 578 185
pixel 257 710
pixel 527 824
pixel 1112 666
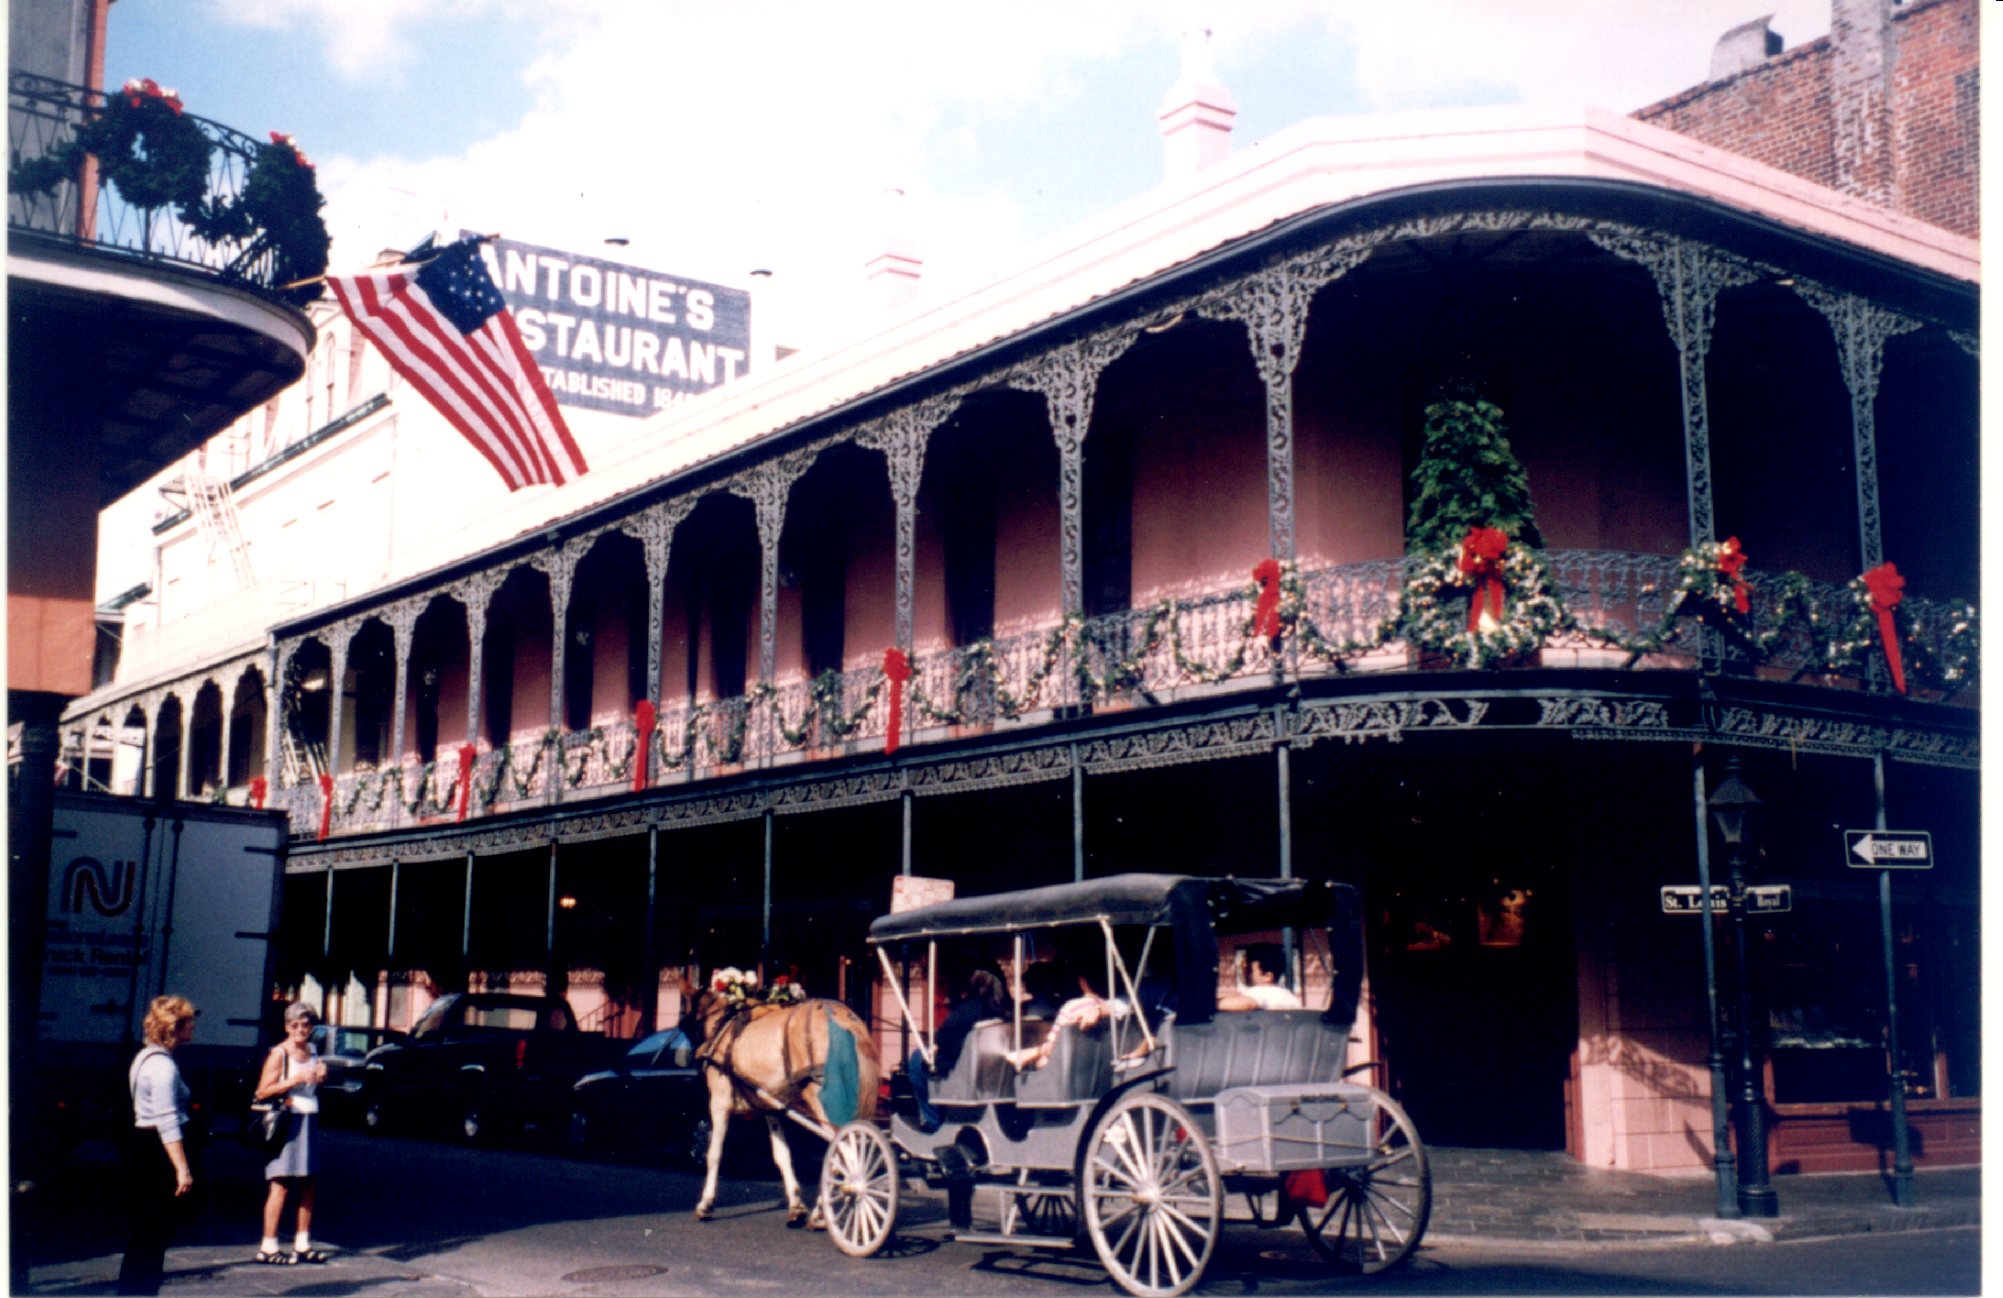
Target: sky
pixel 723 137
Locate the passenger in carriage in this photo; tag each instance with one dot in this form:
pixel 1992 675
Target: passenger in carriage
pixel 1049 986
pixel 1085 1010
pixel 985 997
pixel 1265 965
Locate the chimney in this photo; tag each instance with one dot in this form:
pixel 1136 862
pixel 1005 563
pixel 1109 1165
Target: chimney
pixel 893 272
pixel 1744 47
pixel 1860 92
pixel 1196 117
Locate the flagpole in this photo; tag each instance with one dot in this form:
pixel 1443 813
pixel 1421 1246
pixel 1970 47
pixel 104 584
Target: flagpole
pixel 321 279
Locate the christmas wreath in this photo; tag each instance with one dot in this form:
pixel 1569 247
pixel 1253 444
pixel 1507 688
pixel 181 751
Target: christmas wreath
pixel 145 148
pixel 1450 598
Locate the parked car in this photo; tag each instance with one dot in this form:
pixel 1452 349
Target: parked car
pixel 653 1102
pixel 345 1052
pixel 483 1063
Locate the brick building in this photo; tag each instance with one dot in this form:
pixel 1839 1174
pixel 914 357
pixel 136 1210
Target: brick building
pixel 1885 108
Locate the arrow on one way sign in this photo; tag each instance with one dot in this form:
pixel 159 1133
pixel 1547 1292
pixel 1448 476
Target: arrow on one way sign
pixel 1887 849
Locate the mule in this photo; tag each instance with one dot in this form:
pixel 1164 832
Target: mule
pixel 766 1059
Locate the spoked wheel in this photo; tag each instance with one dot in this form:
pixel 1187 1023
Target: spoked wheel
pixel 1154 1202
pixel 1376 1213
pixel 859 1189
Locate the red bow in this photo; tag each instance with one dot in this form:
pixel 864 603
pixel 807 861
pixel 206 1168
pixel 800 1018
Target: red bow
pixel 298 154
pixel 257 788
pixel 1731 560
pixel 1481 563
pixel 467 754
pixel 897 668
pixel 1887 588
pixel 326 804
pixel 1266 615
pixel 643 752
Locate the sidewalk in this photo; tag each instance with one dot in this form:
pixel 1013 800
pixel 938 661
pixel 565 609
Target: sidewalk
pixel 1537 1197
pixel 1496 1198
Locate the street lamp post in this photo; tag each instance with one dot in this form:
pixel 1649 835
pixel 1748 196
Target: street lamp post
pixel 1735 807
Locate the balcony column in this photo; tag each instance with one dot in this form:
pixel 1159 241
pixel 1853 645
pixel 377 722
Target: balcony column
pixel 403 632
pixel 902 437
pixel 1861 329
pixel 767 486
pixel 1068 377
pixel 559 563
pixel 276 770
pixel 181 751
pixel 340 635
pixel 1689 277
pixel 1273 305
pixel 655 531
pixel 226 686
pixel 475 593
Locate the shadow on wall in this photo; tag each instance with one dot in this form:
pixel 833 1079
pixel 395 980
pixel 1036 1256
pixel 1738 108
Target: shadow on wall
pixel 1664 1077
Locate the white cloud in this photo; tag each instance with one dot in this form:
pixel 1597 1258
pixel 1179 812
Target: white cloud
pixel 719 137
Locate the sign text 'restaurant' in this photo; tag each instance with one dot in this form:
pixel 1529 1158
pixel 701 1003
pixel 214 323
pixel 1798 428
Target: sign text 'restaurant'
pixel 616 338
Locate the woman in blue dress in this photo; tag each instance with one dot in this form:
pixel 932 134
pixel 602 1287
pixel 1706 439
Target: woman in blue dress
pixel 294 1072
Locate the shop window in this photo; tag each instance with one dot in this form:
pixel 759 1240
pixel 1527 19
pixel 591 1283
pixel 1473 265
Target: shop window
pixel 1826 978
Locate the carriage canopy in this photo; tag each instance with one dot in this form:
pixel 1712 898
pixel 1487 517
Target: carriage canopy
pixel 1195 909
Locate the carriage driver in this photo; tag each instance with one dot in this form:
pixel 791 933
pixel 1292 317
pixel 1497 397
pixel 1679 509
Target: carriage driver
pixel 1262 988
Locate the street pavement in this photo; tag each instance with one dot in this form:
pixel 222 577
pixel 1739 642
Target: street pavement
pixel 1485 1201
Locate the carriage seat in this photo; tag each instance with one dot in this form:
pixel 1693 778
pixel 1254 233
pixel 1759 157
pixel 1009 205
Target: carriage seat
pixel 1252 1048
pixel 981 1072
pixel 1080 1068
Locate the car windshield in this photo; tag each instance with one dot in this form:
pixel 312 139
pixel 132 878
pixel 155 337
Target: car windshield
pixel 433 1017
pixel 669 1045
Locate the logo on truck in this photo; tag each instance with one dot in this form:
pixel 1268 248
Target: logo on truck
pixel 108 890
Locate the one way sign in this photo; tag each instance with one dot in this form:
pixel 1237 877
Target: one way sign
pixel 1887 849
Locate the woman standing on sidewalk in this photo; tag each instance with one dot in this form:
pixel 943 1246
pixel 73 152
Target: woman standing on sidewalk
pixel 293 1070
pixel 157 1171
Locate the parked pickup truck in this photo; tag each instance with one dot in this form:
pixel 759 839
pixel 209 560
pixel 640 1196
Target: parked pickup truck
pixel 483 1063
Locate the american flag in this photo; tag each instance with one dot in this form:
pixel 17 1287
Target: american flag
pixel 442 324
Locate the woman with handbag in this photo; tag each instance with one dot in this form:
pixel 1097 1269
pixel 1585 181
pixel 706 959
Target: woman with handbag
pixel 157 1171
pixel 291 1077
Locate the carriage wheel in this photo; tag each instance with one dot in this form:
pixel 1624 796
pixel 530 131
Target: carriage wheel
pixel 1376 1213
pixel 859 1189
pixel 1154 1202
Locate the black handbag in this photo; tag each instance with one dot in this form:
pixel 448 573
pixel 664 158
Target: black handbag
pixel 268 1127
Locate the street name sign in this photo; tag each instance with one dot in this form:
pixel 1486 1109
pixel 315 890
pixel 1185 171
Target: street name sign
pixel 1761 899
pixel 1887 849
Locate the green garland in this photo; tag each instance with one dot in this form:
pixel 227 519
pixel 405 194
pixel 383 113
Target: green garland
pixel 1432 610
pixel 278 211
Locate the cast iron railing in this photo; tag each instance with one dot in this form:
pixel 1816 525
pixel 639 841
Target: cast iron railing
pixel 43 115
pixel 1204 643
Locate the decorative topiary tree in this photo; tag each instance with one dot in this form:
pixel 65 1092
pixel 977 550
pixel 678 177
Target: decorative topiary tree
pixel 1467 477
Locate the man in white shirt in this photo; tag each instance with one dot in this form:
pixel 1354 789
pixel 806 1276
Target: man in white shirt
pixel 1262 988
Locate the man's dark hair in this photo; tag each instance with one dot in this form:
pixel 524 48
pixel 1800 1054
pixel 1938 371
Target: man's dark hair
pixel 1268 956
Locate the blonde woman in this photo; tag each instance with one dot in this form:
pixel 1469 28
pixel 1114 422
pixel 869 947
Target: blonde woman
pixel 294 1071
pixel 156 1149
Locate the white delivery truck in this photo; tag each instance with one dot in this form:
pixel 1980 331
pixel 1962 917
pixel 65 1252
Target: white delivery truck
pixel 149 899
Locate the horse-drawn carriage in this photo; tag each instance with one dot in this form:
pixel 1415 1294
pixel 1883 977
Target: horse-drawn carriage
pixel 1133 1130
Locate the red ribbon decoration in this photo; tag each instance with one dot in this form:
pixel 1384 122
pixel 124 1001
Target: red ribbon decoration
pixel 1481 563
pixel 1266 614
pixel 151 89
pixel 257 789
pixel 1887 589
pixel 326 804
pixel 467 754
pixel 897 668
pixel 643 753
pixel 1731 561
